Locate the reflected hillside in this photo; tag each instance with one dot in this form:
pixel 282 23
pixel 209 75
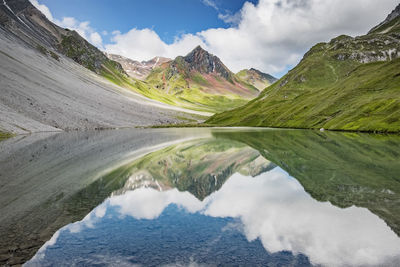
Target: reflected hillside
pixel 343 168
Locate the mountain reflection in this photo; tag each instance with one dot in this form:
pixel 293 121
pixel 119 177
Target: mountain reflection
pixel 208 194
pixel 199 166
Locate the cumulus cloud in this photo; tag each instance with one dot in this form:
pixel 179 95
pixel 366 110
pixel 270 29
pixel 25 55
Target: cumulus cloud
pixel 270 36
pixel 143 44
pixel 231 19
pixel 43 8
pixel 83 28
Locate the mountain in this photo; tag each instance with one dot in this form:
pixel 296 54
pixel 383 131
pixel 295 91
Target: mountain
pixel 346 84
pixel 198 80
pixel 258 79
pixel 46 85
pixel 138 70
pixel 25 21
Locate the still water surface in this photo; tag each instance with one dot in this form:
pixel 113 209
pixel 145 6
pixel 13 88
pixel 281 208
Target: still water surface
pixel 251 197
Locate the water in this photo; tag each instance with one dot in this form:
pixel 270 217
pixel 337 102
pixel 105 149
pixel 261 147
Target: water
pixel 251 197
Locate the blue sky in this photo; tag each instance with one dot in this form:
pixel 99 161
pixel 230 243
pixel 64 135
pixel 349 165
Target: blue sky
pixel 168 18
pixel 269 35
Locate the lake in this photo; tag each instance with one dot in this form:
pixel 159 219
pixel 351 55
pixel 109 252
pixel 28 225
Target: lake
pixel 200 197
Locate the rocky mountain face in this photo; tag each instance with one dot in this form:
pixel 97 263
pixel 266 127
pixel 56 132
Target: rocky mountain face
pixel 258 79
pixel 391 23
pixel 203 62
pixel 22 19
pixel 138 70
pixel 349 83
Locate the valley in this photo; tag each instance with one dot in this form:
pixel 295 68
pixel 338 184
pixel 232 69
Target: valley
pixel 150 133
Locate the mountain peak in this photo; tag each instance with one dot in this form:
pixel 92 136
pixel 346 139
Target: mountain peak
pixel 196 52
pixel 202 61
pixel 199 48
pixel 385 26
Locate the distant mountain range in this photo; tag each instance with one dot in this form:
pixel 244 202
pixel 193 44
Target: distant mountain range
pixel 346 84
pixel 198 81
pixel 138 70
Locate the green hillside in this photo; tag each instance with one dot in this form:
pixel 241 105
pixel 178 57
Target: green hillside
pixel 346 84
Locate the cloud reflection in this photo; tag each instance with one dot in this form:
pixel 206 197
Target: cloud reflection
pixel 148 203
pixel 274 208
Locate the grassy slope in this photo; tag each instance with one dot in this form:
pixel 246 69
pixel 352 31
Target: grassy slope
pixel 191 98
pixel 187 90
pixel 343 168
pixel 330 89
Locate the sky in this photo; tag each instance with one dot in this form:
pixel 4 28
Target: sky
pixel 269 35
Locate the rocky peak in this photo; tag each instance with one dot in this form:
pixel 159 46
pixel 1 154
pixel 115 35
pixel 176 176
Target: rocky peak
pixel 395 14
pixel 202 61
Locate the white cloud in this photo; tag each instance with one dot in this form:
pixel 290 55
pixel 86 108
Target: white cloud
pixel 145 44
pixel 44 9
pixel 148 203
pixel 96 39
pixel 210 3
pixel 83 28
pixel 231 19
pixel 269 36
